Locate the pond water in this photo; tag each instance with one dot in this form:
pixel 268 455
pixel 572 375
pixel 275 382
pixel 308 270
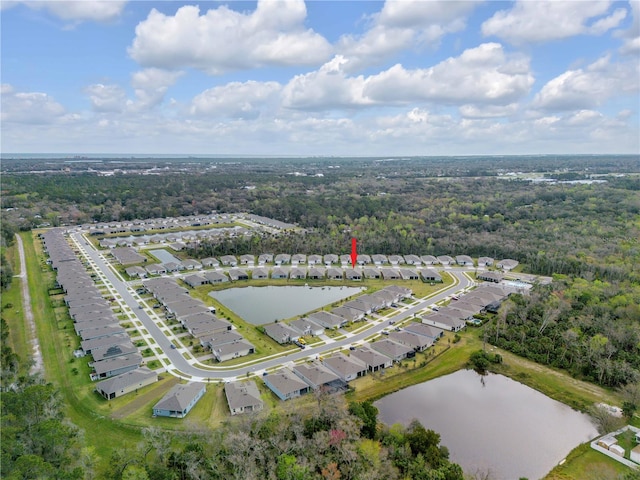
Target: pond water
pixel 491 423
pixel 260 305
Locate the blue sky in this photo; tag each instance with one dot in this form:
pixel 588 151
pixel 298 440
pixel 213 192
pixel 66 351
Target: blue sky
pixel 321 77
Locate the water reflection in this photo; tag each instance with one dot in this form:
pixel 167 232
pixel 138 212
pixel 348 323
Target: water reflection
pixel 492 423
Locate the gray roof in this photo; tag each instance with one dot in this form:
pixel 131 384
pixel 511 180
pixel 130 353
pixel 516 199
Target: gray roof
pixel 425 330
pixel 120 382
pixel 111 364
pixel 390 348
pixel 315 374
pixel 242 394
pixel 179 397
pixel 411 339
pixel 370 357
pixel 286 382
pixel 344 365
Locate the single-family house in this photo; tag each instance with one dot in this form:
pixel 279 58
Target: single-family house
pixel 360 304
pixel 191 264
pixel 489 276
pixel 412 260
pixel 424 330
pixel 347 368
pixel 282 259
pixel 156 269
pixel 281 332
pixel 236 349
pixel 114 366
pixel 371 273
pixel 87 346
pixel 306 327
pixel 317 273
pixel 408 274
pixel 464 260
pixel 265 258
pixel 363 259
pixel 634 455
pixel 210 262
pixel 112 351
pixel 395 260
pixel 279 273
pixel 259 273
pixel 374 361
pixel 330 259
pixel 179 401
pixel 390 274
pixel 172 267
pixel 216 277
pixel 101 331
pixel 429 260
pixel 444 321
pixel 127 382
pixel 315 374
pixel 247 259
pixel 297 273
pixel 445 260
pixel 219 338
pixel 507 264
pixel 403 292
pixel 419 343
pixel 349 314
pixel 229 261
pixel 485 261
pixel 394 350
pixel 379 259
pixel 236 274
pixel 353 274
pixel 298 258
pixel 136 272
pixel 328 320
pixel 314 260
pixel 430 275
pixel 285 384
pixel 196 280
pixel 335 273
pixel 243 397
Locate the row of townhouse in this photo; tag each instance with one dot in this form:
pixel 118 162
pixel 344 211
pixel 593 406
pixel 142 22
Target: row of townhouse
pixel 454 316
pixel 116 361
pixel 176 240
pixel 351 311
pixel 336 370
pixel 169 223
pixel 212 332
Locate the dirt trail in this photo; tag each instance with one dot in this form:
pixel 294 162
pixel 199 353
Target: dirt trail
pixel 38 366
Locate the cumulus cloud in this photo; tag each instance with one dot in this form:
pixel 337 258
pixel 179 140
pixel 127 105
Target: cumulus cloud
pixel 79 10
pixel 243 100
pixel 29 107
pixel 106 98
pixel 222 40
pixel 401 24
pixel 631 36
pixel 151 85
pixel 590 87
pixel 327 88
pixel 485 74
pixel 530 21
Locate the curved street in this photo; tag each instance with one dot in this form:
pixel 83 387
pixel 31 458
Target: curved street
pixel 191 369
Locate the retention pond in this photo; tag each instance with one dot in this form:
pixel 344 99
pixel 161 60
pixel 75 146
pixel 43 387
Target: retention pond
pixel 491 423
pixel 261 305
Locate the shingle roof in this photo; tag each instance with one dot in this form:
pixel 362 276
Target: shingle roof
pixel 179 397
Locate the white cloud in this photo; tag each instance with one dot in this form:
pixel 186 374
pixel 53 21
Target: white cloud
pixel 530 21
pixel 480 75
pixel 590 87
pixel 236 100
pixel 631 45
pixel 28 107
pixel 223 40
pixel 404 24
pixel 325 89
pixel 80 10
pixel 106 98
pixel 488 111
pixel 151 85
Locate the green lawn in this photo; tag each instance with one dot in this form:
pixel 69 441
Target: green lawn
pixel 585 463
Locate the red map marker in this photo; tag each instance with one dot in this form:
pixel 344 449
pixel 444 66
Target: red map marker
pixel 354 253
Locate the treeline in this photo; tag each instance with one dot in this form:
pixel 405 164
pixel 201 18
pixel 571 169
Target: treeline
pixel 590 329
pixel 331 443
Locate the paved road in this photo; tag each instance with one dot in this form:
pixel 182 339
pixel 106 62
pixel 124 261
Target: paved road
pixel 197 373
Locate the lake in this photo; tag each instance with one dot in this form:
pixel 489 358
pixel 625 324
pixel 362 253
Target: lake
pixel 491 423
pixel 261 305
